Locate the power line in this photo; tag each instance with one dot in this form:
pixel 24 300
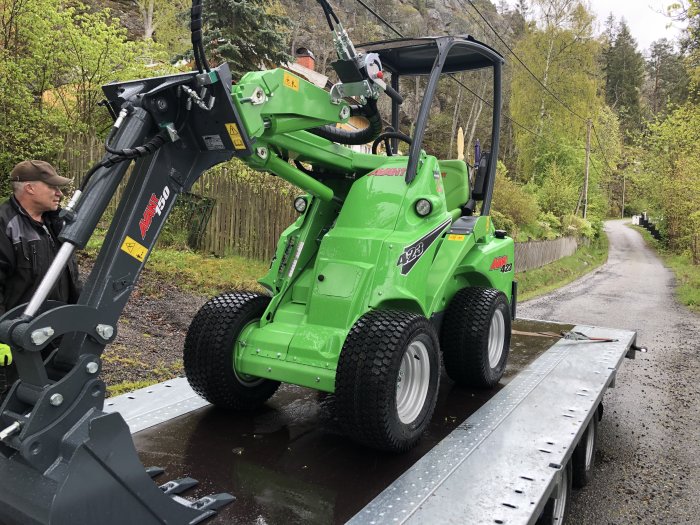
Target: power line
pixel 380 18
pixel 521 126
pixel 551 93
pixel 600 147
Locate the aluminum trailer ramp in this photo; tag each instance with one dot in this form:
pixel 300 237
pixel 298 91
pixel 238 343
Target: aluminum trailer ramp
pixel 488 457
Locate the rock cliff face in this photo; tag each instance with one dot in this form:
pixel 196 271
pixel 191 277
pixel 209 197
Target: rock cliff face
pixel 125 10
pixel 411 17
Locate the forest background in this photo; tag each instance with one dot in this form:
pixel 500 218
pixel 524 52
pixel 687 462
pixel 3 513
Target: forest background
pixel 561 80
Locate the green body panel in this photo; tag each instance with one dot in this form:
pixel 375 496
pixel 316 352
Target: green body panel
pixel 360 244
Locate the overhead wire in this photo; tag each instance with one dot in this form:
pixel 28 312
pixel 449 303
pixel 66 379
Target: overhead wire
pixel 600 147
pixel 380 18
pixel 523 64
pixel 489 104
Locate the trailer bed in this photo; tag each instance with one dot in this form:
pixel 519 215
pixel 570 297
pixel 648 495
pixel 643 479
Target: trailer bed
pixel 487 457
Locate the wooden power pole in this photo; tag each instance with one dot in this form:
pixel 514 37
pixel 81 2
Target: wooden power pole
pixel 624 181
pixel 585 180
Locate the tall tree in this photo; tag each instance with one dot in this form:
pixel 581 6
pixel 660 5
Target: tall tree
pixel 624 70
pixel 561 53
pixel 667 79
pixel 248 34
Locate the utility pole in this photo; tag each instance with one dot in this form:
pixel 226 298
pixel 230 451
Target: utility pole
pixel 624 181
pixel 585 180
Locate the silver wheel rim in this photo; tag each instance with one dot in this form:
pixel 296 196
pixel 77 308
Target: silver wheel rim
pixel 590 440
pixel 497 335
pixel 412 382
pixel 560 501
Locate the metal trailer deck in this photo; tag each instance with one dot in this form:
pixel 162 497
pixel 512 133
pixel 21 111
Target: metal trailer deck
pixel 488 457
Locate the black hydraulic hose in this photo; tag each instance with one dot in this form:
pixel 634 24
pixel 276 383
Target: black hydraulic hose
pixel 196 30
pixel 354 138
pixel 328 11
pixel 125 154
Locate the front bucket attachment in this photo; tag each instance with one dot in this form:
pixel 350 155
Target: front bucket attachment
pixel 97 479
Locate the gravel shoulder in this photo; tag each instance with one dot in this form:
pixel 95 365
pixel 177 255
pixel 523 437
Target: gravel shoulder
pixel 150 334
pixel 648 463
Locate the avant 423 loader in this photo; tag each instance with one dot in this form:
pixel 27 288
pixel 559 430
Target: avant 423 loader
pixel 387 271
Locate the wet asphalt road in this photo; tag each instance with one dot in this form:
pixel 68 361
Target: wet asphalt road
pixel 648 462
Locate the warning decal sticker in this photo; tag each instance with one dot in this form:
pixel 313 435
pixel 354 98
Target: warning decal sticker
pixel 135 249
pixel 235 135
pixel 291 82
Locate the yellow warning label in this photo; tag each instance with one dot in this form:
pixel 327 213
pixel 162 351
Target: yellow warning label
pixel 133 248
pixel 291 82
pixel 235 135
pixel 455 237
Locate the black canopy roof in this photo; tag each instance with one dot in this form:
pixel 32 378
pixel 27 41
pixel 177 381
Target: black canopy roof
pixel 416 56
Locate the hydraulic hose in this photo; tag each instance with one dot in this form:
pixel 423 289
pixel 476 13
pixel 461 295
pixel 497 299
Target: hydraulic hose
pixel 362 136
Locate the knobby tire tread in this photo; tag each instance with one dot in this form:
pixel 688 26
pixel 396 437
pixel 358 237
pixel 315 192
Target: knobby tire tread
pixel 209 347
pixel 365 387
pixel 464 336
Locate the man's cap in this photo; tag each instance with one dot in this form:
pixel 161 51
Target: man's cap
pixel 33 170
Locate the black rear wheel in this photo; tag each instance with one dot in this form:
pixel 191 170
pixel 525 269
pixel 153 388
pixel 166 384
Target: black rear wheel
pixel 210 347
pixel 387 379
pixel 475 337
pixel 583 457
pixel 556 511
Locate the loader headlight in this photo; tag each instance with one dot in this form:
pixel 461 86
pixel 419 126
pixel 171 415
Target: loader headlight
pixel 423 207
pixel 300 204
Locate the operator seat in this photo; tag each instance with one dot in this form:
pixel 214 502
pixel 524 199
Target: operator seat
pixel 455 182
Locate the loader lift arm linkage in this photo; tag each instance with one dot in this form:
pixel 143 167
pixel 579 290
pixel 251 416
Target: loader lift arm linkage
pixel 62 459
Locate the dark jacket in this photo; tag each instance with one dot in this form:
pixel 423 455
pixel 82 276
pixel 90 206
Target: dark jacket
pixel 27 249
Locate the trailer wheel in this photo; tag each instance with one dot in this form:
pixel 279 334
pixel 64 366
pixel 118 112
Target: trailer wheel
pixel 387 379
pixel 210 347
pixel 475 337
pixel 583 457
pixel 556 511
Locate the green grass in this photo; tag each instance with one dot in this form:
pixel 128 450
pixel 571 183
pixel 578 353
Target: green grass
pixel 194 271
pixel 206 274
pixel 687 274
pixel 128 386
pixel 533 283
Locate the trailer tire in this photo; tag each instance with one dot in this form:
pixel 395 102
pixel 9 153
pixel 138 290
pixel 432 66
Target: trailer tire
pixel 556 511
pixel 387 379
pixel 475 337
pixel 583 457
pixel 209 352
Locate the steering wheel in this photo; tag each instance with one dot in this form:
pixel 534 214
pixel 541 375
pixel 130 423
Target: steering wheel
pixel 384 137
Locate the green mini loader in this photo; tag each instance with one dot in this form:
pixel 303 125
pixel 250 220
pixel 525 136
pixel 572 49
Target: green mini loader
pixel 392 267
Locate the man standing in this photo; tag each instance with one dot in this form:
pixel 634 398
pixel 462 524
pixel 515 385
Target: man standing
pixel 29 228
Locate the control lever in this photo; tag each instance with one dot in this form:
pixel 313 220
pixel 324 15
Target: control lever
pixel 393 94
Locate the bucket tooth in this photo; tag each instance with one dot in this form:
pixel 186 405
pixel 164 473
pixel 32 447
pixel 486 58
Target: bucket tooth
pixel 213 502
pixel 154 472
pixel 178 486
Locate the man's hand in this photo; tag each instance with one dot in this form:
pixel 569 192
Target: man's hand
pixel 5 355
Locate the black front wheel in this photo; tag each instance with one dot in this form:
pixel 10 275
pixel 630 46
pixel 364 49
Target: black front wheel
pixel 210 347
pixel 387 379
